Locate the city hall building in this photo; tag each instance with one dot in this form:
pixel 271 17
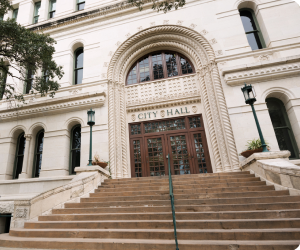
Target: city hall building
pixel 160 84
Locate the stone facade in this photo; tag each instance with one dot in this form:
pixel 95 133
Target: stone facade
pixel 114 35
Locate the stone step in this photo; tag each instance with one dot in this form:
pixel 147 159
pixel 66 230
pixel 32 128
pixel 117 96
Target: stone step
pixel 168 234
pixel 189 208
pixel 182 177
pixel 266 214
pixel 185 196
pixel 190 191
pixel 246 200
pixel 241 178
pixel 10 243
pixel 182 188
pixel 168 224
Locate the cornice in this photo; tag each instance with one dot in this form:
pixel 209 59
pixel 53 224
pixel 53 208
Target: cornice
pixel 54 106
pixel 262 71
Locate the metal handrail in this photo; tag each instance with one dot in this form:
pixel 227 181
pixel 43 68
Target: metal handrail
pixel 172 201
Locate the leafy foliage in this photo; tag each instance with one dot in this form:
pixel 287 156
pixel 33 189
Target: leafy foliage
pixel 164 6
pixel 254 144
pixel 22 50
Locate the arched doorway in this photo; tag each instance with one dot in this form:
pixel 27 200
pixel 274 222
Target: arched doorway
pixel 282 127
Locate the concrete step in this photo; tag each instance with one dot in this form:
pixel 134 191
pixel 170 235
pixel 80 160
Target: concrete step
pixel 189 191
pixel 188 208
pixel 10 243
pixel 168 224
pixel 176 182
pixel 265 214
pixel 182 177
pixel 185 196
pixel 167 234
pixel 246 200
pixel 181 189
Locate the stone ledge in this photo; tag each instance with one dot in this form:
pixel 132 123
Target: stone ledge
pixel 264 156
pixel 91 169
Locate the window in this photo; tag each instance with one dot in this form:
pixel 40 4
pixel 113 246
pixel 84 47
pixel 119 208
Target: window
pixel 36 14
pixel 75 148
pixel 15 14
pixel 282 127
pixel 1 17
pixel 80 4
pixel 78 71
pixel 52 8
pixel 38 154
pixel 19 156
pixel 251 27
pixel 158 65
pixel 29 81
pixel 3 78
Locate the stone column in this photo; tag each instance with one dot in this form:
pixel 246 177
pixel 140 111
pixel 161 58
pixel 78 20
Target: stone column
pixel 24 173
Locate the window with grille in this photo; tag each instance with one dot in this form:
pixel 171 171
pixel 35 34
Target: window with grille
pixel 159 65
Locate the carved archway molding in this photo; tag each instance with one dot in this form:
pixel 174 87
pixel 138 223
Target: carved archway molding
pixel 199 51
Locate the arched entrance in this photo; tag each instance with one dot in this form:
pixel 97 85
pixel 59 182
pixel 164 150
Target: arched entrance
pixel 198 50
pixel 282 127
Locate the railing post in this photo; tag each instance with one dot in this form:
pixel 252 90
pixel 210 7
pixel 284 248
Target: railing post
pixel 172 202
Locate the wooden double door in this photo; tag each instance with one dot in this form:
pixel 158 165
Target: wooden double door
pixel 183 138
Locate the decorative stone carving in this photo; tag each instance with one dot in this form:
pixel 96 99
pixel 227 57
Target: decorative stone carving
pixel 213 41
pixel 133 117
pixel 162 90
pixel 166 22
pixel 140 28
pixel 110 53
pixel 204 32
pixel 127 35
pixel 118 43
pixel 193 26
pixel 105 64
pixel 104 75
pixel 162 113
pixel 179 22
pixel 6 207
pixel 21 213
pixel 194 109
pixel 152 24
pixel 219 52
pixel 199 49
pixel 75 91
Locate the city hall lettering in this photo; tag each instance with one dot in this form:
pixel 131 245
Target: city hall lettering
pixel 169 112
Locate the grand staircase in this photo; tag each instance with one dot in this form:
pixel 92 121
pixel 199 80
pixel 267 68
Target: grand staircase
pixel 234 211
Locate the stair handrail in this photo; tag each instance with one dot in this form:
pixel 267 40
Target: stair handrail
pixel 172 201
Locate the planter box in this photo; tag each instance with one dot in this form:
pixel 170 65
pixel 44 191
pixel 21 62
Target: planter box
pixel 247 153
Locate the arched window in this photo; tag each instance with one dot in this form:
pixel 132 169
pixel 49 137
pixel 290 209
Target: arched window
pixel 158 65
pixel 19 156
pixel 75 148
pixel 38 154
pixel 282 127
pixel 78 70
pixel 252 30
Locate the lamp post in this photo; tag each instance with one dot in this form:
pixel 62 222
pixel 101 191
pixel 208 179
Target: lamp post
pixel 249 94
pixel 91 122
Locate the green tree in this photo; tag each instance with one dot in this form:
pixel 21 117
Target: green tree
pixel 23 51
pixel 165 5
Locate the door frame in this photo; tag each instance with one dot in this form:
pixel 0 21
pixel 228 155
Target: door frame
pixel 142 135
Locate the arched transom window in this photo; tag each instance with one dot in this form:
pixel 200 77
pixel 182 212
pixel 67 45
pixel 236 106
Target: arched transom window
pixel 158 65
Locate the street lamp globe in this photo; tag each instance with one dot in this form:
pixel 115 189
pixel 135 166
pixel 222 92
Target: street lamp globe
pixel 91 117
pixel 249 94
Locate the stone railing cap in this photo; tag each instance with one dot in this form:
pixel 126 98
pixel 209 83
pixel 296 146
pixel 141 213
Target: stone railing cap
pixel 92 169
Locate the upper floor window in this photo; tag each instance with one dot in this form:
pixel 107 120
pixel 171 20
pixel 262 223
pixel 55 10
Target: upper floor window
pixel 80 4
pixel 78 71
pixel 15 14
pixel 158 65
pixel 252 30
pixel 36 14
pixel 52 8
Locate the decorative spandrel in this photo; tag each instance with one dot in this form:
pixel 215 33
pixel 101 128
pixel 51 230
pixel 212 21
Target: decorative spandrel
pixel 155 156
pixel 180 155
pixel 201 161
pixel 152 127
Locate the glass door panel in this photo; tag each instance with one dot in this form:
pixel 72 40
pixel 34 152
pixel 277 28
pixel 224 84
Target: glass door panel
pixel 200 154
pixel 156 159
pixel 179 154
pixel 136 155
